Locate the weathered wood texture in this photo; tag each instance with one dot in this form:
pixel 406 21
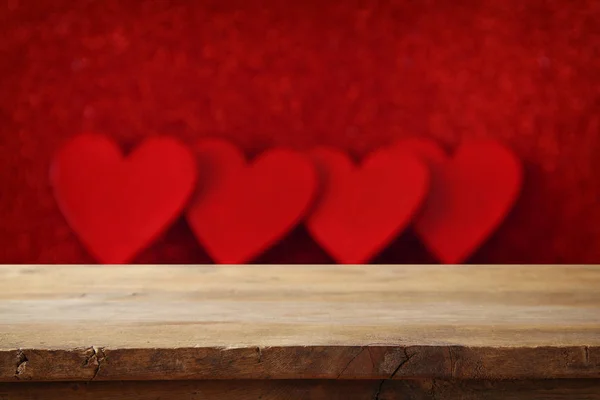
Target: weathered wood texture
pixel 73 323
pixel 580 389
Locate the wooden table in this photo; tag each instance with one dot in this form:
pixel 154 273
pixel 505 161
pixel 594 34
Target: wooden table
pixel 299 332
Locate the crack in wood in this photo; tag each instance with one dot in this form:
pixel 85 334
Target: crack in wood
pixel 21 366
pixel 406 359
pixel 259 354
pixel 453 362
pixel 371 359
pixel 586 352
pixel 379 389
pixel 360 350
pixel 97 358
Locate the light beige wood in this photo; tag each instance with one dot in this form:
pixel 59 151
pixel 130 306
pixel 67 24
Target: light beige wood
pixel 294 322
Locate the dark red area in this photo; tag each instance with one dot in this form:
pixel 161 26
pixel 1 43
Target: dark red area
pixel 355 75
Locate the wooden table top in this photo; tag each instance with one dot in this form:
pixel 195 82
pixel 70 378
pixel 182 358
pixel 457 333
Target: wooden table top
pixel 255 322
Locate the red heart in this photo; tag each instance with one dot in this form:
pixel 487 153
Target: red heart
pixel 470 195
pixel 119 205
pixel 242 209
pixel 361 209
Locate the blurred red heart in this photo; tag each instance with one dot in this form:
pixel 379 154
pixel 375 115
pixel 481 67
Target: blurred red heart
pixel 242 209
pixel 117 205
pixel 361 209
pixel 471 194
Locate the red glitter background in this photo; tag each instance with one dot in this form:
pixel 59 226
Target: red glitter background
pixel 352 74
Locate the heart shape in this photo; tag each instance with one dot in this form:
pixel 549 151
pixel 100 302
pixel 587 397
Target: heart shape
pixel 361 209
pixel 242 209
pixel 117 205
pixel 471 194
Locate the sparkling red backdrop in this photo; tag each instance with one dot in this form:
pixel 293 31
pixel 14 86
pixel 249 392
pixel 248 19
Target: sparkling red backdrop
pixel 352 74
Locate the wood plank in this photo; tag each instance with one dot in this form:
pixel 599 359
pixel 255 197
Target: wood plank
pixel 298 322
pixel 568 389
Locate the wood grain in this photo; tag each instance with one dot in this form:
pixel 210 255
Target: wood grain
pixel 568 389
pixel 82 323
